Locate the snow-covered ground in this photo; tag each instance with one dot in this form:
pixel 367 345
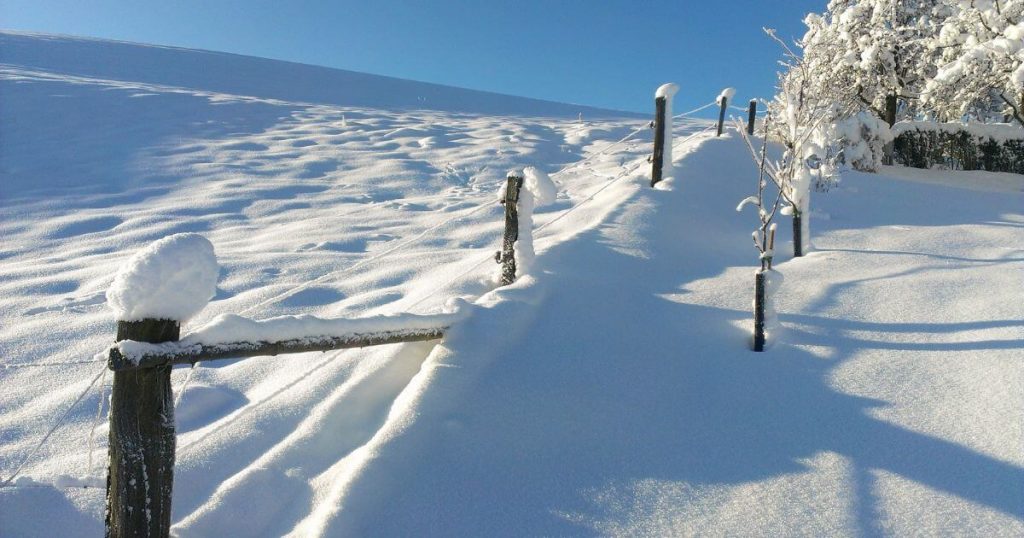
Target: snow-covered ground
pixel 609 392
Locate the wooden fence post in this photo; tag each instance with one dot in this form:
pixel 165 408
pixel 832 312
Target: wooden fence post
pixel 659 140
pixel 507 256
pixel 721 114
pixel 759 306
pixel 142 442
pixel 751 116
pixel 798 233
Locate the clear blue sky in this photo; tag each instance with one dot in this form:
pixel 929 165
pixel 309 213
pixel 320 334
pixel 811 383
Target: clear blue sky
pixel 608 53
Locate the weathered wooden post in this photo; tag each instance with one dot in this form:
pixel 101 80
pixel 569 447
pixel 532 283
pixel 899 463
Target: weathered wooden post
pixel 507 256
pixel 142 441
pixel 798 233
pixel 759 304
pixel 751 116
pixel 760 292
pixel 161 286
pixel 662 157
pixel 659 140
pixel 723 100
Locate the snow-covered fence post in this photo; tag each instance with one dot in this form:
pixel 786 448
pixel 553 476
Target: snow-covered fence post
pixel 662 159
pixel 751 116
pixel 160 287
pixel 507 255
pixel 142 440
pixel 723 102
pixel 524 191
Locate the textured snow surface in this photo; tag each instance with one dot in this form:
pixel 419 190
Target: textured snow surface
pixel 173 278
pixel 608 392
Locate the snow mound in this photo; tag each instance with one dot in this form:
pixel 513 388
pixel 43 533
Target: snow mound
pixel 542 190
pixel 173 278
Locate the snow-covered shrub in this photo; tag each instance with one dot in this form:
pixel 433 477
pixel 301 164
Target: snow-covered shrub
pixel 971 146
pixel 860 141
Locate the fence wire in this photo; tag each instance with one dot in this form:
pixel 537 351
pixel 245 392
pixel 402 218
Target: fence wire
pixel 101 377
pixel 60 422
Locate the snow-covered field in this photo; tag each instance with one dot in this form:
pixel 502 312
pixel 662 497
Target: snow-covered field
pixel 609 392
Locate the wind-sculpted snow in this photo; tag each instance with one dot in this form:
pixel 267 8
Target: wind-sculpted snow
pixel 608 392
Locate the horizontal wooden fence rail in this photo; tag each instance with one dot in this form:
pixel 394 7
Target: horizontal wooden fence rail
pixel 174 353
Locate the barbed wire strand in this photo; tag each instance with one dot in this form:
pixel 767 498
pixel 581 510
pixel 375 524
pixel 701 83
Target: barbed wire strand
pixel 46 437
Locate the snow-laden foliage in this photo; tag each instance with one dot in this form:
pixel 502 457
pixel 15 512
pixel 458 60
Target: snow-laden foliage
pixel 861 140
pixel 914 59
pixel 982 48
pixel 875 53
pixel 173 278
pixel 804 122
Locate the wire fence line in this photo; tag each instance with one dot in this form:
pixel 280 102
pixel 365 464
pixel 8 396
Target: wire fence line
pixel 696 110
pixel 60 422
pixel 626 171
pixel 15 365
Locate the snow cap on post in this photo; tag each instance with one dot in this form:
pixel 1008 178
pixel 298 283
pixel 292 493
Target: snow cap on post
pixel 173 278
pixel 667 90
pixel 727 93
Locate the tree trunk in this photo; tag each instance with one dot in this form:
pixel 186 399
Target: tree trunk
pixel 890 118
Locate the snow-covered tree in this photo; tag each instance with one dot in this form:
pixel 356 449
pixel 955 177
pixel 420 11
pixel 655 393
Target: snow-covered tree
pixel 803 121
pixel 982 61
pixel 876 53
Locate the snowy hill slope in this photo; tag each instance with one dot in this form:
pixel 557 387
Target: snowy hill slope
pixel 234 74
pixel 313 208
pixel 611 392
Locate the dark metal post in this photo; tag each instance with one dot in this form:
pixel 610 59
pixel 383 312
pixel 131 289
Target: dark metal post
pixel 141 471
pixel 659 140
pixel 507 256
pixel 721 114
pixel 751 116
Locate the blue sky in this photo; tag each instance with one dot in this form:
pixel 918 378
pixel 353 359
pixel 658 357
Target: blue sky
pixel 602 53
